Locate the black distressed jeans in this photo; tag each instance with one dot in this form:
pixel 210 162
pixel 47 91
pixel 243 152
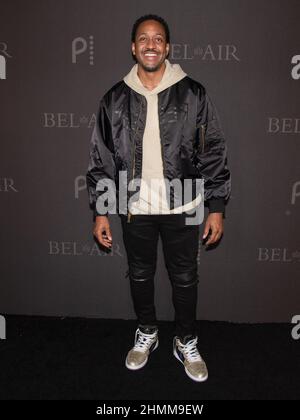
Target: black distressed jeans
pixel 180 249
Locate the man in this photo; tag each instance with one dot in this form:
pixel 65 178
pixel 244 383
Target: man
pixel 158 123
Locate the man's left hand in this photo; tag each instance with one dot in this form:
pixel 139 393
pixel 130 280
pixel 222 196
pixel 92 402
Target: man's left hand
pixel 214 222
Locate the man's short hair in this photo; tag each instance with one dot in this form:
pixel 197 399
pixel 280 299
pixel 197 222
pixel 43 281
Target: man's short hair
pixel 150 17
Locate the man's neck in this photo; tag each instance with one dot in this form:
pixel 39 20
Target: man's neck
pixel 151 79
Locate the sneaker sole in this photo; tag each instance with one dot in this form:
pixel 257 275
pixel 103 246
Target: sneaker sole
pixel 144 362
pixel 187 372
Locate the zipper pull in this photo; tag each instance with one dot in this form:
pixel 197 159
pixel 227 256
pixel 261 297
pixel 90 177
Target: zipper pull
pixel 128 217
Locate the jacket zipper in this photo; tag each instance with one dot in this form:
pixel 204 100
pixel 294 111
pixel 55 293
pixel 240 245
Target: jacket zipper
pixel 162 151
pixel 129 215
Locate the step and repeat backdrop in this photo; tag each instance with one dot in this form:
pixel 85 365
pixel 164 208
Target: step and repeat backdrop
pixel 57 59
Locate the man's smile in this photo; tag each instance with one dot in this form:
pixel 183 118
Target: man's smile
pixel 150 56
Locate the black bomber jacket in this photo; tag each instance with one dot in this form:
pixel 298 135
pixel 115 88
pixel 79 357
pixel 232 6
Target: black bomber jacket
pixel 192 141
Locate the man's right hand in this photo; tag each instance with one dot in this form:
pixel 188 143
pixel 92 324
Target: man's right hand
pixel 102 231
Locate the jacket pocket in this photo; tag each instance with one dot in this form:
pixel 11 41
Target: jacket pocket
pixel 202 137
pixel 199 140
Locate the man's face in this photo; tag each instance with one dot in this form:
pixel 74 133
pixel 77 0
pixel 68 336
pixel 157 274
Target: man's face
pixel 150 47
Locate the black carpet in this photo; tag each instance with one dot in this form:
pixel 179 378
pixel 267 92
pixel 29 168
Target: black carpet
pixel 74 358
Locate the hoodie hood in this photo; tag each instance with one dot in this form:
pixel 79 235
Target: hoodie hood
pixel 173 73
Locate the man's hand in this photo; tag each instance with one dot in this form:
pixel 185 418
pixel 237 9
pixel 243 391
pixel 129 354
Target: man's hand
pixel 102 231
pixel 214 222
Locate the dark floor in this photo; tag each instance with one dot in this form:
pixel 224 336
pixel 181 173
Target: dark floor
pixel 74 358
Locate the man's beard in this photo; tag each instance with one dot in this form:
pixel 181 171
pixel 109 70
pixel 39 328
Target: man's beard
pixel 150 68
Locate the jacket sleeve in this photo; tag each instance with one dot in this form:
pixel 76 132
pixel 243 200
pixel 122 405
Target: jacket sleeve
pixel 212 154
pixel 101 155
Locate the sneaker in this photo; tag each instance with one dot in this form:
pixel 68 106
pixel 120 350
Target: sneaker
pixel 144 344
pixel 188 354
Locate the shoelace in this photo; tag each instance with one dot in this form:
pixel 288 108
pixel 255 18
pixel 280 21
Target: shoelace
pixel 190 350
pixel 144 341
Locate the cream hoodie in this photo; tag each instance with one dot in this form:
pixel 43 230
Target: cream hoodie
pixel 152 198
